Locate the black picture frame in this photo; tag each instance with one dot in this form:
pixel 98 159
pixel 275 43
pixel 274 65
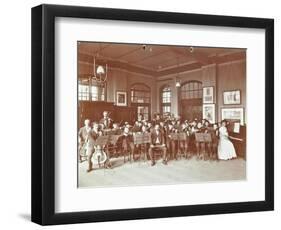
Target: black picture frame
pixel 228 91
pixel 213 96
pixel 43 114
pixel 233 108
pixel 123 93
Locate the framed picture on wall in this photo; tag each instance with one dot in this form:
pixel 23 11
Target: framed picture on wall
pixel 208 95
pixel 232 97
pixel 209 113
pixel 233 114
pixel 121 98
pixel 68 167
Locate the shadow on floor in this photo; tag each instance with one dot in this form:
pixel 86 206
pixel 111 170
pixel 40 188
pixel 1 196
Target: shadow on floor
pixel 25 216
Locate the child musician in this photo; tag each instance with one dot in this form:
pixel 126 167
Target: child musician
pixel 200 146
pixel 116 130
pixel 170 142
pixel 145 146
pixel 157 143
pixel 83 139
pixel 128 142
pixel 93 136
pixel 185 143
pixel 215 141
pixel 106 120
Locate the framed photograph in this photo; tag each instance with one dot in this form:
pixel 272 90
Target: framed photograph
pixel 209 113
pixel 233 114
pixel 87 144
pixel 208 95
pixel 232 97
pixel 121 98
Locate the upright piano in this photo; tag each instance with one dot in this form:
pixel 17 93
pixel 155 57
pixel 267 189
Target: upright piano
pixel 237 135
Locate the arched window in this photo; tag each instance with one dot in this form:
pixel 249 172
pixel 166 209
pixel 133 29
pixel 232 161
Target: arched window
pixel 140 98
pixel 166 96
pixel 191 90
pixel 91 92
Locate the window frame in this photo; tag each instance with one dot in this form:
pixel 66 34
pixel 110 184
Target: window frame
pixel 146 103
pixel 165 104
pixel 90 86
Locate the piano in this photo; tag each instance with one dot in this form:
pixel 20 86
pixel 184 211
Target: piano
pixel 237 135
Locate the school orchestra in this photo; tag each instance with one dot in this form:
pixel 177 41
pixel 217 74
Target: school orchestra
pixel 161 131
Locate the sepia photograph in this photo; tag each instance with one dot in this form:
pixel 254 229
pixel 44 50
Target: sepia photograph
pixel 233 114
pixel 208 95
pixel 152 114
pixel 231 97
pixel 121 98
pixel 209 113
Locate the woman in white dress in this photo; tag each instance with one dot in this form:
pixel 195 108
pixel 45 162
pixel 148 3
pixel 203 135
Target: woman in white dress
pixel 226 149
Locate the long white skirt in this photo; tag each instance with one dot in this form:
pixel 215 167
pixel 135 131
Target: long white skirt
pixel 226 149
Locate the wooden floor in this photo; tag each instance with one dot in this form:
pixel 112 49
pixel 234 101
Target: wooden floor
pixel 180 171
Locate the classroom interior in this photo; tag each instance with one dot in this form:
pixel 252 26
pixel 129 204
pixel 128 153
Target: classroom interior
pixel 150 80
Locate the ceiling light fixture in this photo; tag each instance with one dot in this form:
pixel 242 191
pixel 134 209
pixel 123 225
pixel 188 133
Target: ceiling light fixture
pixel 178 81
pixel 99 73
pixel 191 49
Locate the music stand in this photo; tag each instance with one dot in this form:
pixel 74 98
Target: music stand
pixel 203 137
pixel 178 137
pixel 102 141
pixel 107 132
pixel 142 139
pixel 113 140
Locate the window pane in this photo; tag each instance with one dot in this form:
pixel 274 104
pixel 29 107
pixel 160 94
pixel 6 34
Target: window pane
pixel 166 109
pixel 166 95
pixel 140 94
pixel 95 93
pixel 83 92
pixel 191 90
pixel 191 86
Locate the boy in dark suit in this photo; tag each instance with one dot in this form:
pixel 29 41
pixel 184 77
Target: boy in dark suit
pixel 128 142
pixel 157 143
pixel 171 143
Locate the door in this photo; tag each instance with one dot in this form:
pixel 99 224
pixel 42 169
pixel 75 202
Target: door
pixel 190 105
pixel 191 109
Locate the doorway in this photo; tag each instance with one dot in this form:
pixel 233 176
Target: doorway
pixel 191 109
pixel 191 94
